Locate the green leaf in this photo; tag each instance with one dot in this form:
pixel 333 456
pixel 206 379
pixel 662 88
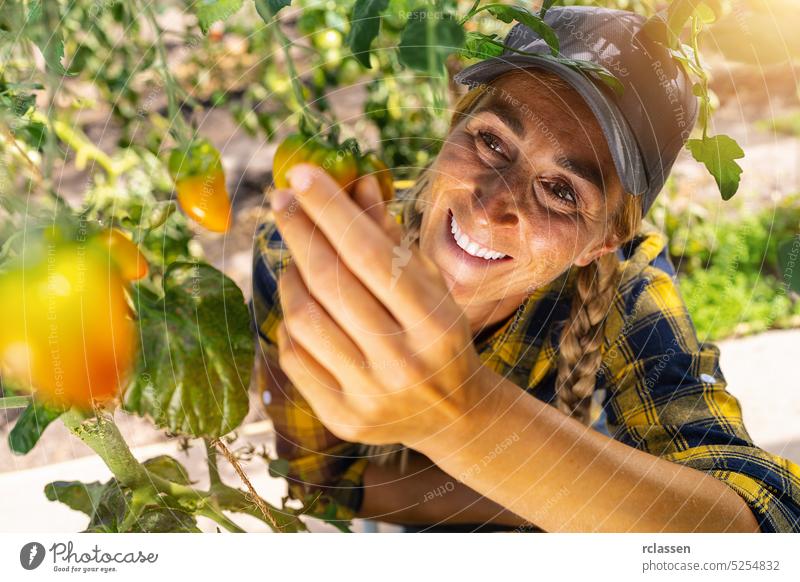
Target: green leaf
pixel 546 5
pixel 156 519
pixel 267 9
pixel 30 426
pixel 47 38
pixel 209 11
pixel 789 260
pixel 113 501
pixel 427 40
pixel 168 468
pixel 509 14
pixel 667 28
pixel 365 23
pixel 76 495
pixel 197 353
pixel 718 154
pixel 481 46
pixel 278 468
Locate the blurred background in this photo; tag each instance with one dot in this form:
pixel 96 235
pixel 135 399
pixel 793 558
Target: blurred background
pixel 230 75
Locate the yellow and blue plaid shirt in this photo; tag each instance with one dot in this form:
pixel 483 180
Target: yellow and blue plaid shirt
pixel 659 388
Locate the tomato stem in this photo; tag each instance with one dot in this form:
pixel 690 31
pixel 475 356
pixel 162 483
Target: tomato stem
pixel 102 435
pixel 178 126
pixel 14 402
pixel 213 469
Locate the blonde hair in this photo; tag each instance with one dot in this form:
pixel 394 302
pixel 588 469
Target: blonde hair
pixel 595 284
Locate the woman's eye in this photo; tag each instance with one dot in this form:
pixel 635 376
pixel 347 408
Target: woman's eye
pixel 562 192
pixel 492 142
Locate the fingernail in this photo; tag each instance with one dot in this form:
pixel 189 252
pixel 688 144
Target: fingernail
pixel 300 178
pixel 280 199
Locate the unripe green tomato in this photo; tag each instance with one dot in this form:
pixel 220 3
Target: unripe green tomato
pixel 342 163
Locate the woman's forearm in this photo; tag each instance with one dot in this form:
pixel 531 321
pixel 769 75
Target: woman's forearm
pixel 563 476
pixel 424 494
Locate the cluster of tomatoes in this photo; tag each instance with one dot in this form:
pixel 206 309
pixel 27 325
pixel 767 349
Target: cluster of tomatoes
pixel 200 179
pixel 68 330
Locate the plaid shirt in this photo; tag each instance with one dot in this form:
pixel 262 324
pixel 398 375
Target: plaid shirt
pixel 659 388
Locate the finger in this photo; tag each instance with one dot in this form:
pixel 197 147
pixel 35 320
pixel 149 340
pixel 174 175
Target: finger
pixel 318 387
pixel 410 288
pixel 308 323
pixel 345 298
pixel 367 194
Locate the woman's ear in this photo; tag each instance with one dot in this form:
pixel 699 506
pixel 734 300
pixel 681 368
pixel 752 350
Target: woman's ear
pixel 594 252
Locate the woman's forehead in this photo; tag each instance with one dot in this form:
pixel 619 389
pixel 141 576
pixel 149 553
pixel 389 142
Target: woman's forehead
pixel 533 99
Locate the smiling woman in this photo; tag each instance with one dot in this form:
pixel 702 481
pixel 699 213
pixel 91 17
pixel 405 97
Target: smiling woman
pixel 517 334
pixel 569 209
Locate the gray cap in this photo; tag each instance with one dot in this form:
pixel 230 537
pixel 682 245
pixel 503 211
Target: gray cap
pixel 647 125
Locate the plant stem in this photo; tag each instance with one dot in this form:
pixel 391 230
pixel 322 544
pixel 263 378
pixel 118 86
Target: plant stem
pixel 232 499
pixel 14 402
pixel 284 41
pixel 182 133
pixel 253 494
pixel 217 516
pixel 103 437
pixel 51 20
pixel 36 172
pixel 213 469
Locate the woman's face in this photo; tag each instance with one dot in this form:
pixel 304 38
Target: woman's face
pixel 523 187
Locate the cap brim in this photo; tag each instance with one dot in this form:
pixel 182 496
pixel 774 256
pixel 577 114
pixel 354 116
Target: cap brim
pixel 621 142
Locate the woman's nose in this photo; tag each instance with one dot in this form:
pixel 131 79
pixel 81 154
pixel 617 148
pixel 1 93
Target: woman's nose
pixel 494 204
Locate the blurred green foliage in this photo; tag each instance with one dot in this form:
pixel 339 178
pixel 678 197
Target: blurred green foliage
pixel 728 267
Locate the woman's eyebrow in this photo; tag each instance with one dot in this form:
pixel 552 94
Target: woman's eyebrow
pixel 583 169
pixel 507 115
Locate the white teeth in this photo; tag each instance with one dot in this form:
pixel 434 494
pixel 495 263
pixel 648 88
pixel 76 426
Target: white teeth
pixel 471 247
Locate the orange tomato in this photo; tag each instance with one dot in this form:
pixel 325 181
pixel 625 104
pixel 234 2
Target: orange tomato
pixel 200 185
pixel 66 329
pixel 124 253
pixel 204 199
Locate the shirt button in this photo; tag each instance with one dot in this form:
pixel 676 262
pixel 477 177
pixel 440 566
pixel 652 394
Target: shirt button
pixel 707 378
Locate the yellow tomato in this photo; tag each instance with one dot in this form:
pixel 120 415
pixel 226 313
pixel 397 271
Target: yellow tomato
pixel 66 330
pixel 200 185
pixel 205 200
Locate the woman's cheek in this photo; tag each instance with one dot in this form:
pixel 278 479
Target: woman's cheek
pixel 549 258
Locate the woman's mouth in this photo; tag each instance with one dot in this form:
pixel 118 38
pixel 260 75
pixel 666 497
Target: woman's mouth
pixel 472 249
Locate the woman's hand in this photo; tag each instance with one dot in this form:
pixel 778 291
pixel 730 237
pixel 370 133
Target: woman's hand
pixel 370 334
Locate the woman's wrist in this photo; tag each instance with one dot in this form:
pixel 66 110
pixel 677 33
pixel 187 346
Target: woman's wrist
pixel 477 405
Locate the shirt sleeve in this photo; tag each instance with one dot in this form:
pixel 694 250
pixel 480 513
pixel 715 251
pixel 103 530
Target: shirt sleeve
pixel 666 394
pixel 319 464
